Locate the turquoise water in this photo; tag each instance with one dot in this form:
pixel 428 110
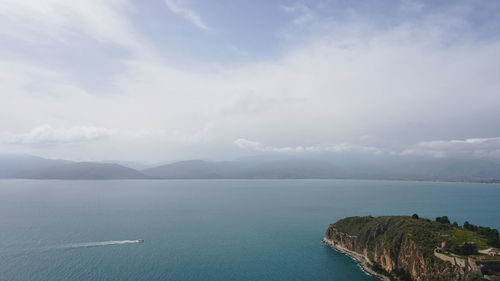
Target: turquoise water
pixel 206 229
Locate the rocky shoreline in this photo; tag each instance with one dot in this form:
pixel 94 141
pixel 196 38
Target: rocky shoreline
pixel 413 248
pixel 363 262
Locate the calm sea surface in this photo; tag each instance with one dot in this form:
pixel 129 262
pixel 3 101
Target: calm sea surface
pixel 207 229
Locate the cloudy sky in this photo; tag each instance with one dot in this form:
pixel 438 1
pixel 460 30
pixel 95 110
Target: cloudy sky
pixel 218 79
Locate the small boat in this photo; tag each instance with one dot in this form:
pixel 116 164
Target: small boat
pixel 140 240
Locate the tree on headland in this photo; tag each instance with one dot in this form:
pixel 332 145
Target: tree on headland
pixel 491 234
pixel 443 219
pixel 415 216
pixel 465 249
pixel 467 226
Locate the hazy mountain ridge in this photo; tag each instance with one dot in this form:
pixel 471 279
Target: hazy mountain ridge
pixel 88 170
pixel 20 166
pixel 32 167
pixel 261 167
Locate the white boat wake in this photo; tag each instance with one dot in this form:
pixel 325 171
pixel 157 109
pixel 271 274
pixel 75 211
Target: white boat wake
pixel 23 252
pixel 96 244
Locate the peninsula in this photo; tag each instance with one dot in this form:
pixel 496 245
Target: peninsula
pixel 413 248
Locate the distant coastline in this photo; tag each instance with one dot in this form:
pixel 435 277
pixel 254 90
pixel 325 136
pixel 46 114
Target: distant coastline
pixel 248 179
pixel 450 170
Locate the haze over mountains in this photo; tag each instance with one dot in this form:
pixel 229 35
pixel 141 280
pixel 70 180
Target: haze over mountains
pixel 32 167
pixel 260 167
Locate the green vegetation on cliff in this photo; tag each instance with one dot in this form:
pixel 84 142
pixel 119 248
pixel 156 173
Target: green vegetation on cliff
pixel 369 230
pixel 427 234
pixel 414 248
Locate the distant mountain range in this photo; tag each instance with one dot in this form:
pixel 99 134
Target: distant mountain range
pixel 31 167
pixel 259 167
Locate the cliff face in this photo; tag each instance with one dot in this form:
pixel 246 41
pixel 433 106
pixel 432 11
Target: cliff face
pixel 397 246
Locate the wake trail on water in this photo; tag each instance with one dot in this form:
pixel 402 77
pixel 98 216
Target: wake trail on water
pixel 97 244
pixel 25 252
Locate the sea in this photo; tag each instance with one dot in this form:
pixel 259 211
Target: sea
pixel 207 229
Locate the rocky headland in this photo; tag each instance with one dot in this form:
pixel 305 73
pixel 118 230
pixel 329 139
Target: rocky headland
pixel 413 248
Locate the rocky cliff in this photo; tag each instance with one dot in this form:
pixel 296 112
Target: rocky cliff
pixel 401 248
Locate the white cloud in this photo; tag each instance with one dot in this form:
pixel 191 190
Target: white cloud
pixel 341 147
pixel 411 5
pixel 302 13
pixel 394 84
pixel 473 147
pixel 467 148
pixel 190 15
pixel 40 21
pixel 244 143
pixel 46 134
pixel 349 147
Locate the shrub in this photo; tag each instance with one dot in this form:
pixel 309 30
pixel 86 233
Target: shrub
pixel 465 249
pixel 443 219
pixel 490 234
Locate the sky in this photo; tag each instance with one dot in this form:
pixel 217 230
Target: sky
pixel 219 79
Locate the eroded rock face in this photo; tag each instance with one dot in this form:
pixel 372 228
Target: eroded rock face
pixel 400 256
